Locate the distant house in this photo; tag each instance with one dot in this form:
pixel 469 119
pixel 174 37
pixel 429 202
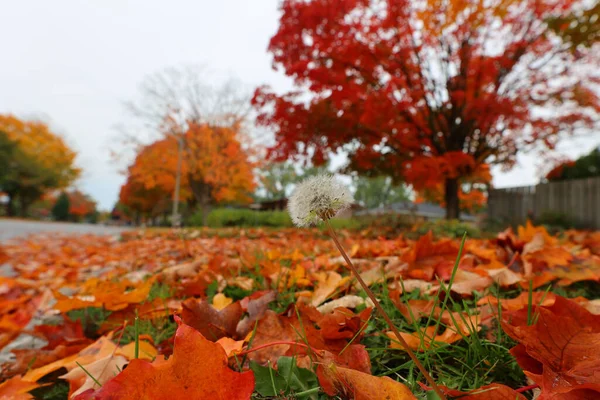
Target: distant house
pixel 421 210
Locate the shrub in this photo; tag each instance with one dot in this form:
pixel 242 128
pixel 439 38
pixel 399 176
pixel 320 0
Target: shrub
pixel 556 221
pixel 392 221
pixel 224 217
pixel 345 223
pixel 447 228
pixel 60 211
pixel 229 217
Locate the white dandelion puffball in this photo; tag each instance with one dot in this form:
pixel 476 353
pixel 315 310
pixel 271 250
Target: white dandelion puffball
pixel 317 198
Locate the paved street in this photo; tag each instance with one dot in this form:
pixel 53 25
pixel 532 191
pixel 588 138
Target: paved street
pixel 12 228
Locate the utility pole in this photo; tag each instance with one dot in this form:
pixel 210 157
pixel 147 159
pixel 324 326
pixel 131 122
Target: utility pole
pixel 175 217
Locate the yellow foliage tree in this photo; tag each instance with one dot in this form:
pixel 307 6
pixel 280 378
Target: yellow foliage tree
pixel 40 161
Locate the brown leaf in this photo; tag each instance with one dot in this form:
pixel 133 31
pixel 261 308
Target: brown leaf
pixel 255 305
pixel 212 323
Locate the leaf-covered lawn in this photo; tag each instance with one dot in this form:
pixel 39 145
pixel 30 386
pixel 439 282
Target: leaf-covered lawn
pixel 238 314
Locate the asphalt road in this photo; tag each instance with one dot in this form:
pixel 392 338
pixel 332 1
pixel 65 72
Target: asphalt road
pixel 13 228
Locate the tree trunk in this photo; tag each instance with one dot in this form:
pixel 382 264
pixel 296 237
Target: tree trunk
pixel 10 206
pixel 202 193
pixel 451 198
pixel 24 204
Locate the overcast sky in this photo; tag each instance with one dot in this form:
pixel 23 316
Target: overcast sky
pixel 73 63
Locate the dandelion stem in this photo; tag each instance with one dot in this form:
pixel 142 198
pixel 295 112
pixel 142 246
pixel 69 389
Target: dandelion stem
pixel 381 311
pixel 264 346
pixel 526 388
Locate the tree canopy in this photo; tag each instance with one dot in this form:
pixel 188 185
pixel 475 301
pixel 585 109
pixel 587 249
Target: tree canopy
pixel 378 191
pixel 39 160
pixel 586 166
pixel 60 210
pixel 428 91
pixel 215 169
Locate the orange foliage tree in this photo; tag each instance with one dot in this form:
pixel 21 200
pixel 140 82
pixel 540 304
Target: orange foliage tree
pixel 40 161
pixel 185 105
pixel 80 204
pixel 215 169
pixel 151 179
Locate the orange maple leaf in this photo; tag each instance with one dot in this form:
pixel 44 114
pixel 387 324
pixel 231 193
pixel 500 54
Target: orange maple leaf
pixel 197 370
pixel 561 351
pixel 357 385
pixel 16 389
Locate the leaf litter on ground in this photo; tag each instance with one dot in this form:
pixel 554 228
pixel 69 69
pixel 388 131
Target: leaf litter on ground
pixel 274 314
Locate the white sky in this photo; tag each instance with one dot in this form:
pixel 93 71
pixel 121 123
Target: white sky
pixel 73 63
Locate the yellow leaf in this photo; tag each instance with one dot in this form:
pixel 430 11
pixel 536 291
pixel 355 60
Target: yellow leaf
pixel 146 351
pixel 220 301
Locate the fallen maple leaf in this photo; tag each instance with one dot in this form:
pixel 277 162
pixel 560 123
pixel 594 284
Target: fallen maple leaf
pixel 342 323
pixel 26 359
pixel 428 258
pixel 68 331
pixel 495 391
pixel 561 351
pixel 231 346
pixel 146 351
pixel 327 283
pixel 255 305
pixel 517 303
pixel 274 329
pixel 102 370
pixel 349 383
pixel 347 301
pixel 196 370
pixel 528 233
pixel 466 283
pixel 108 294
pixel 99 349
pixel 212 323
pixel 220 301
pixel 16 389
pixel 457 325
pixel 504 276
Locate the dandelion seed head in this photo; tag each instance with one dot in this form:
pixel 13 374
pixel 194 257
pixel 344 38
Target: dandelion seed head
pixel 316 198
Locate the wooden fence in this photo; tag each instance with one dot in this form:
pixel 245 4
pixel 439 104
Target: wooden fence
pixel 579 199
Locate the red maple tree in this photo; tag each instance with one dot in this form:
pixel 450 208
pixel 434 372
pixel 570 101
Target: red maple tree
pixel 427 91
pixel 80 204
